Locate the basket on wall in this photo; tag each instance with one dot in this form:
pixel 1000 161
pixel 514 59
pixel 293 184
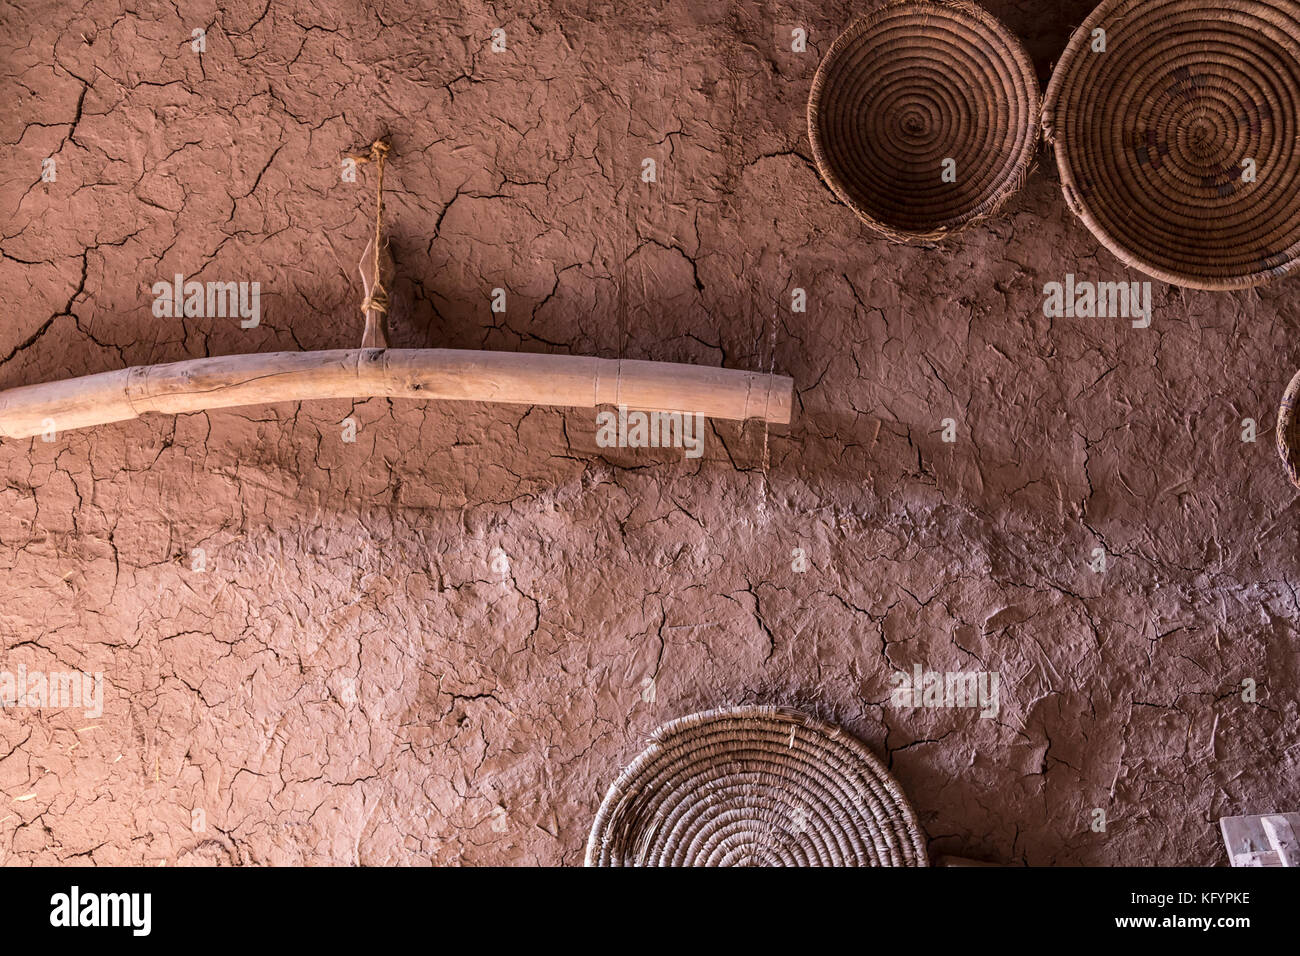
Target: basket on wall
pixel 1175 126
pixel 755 786
pixel 1288 431
pixel 923 117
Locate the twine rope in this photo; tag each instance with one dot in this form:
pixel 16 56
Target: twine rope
pixel 377 301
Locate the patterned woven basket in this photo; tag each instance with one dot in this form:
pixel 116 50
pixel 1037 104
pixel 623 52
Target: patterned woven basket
pixel 1288 431
pixel 755 786
pixel 906 88
pixel 1153 136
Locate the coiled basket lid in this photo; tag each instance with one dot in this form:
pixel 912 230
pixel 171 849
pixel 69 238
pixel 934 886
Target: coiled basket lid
pixel 909 86
pixel 755 786
pixel 1152 136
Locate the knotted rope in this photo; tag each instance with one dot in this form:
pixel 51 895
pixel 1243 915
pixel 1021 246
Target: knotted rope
pixel 377 301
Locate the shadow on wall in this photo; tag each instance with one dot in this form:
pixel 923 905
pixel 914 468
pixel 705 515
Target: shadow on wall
pixel 1044 29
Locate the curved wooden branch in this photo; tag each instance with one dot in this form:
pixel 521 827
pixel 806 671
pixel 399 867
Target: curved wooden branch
pixel 455 374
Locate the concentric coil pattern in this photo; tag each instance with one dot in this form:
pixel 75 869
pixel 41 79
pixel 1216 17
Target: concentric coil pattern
pixel 1158 137
pixel 916 90
pixel 755 786
pixel 1288 431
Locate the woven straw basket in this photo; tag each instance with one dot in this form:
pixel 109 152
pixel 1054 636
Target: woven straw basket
pixel 1288 431
pixel 755 786
pixel 906 88
pixel 1152 136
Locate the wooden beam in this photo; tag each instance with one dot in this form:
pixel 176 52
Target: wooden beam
pixel 440 374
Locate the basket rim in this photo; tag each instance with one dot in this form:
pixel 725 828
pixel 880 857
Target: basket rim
pixel 1052 105
pixel 661 738
pixel 1013 53
pixel 1288 448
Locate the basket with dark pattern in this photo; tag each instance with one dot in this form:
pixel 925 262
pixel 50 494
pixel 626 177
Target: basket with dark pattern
pixel 1179 145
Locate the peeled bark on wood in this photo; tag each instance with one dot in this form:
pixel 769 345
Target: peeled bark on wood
pixel 454 374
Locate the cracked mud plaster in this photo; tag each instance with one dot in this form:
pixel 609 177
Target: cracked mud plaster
pixel 354 680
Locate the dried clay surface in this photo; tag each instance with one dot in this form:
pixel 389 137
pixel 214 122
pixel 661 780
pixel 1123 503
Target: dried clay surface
pixel 441 642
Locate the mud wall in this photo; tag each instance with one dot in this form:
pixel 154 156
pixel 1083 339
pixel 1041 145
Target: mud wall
pixel 438 643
